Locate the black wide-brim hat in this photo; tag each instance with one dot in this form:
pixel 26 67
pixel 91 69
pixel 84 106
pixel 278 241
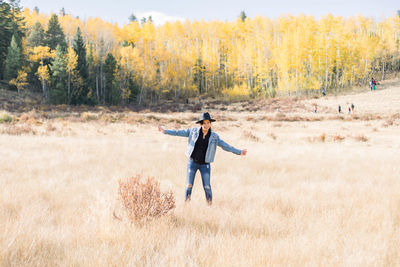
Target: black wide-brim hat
pixel 205 116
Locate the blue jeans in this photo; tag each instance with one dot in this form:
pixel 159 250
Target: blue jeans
pixel 205 170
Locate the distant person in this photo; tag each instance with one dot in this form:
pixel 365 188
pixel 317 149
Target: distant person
pixel 349 111
pixel 352 107
pixel 201 148
pixel 323 92
pixel 315 108
pixel 339 109
pixel 372 84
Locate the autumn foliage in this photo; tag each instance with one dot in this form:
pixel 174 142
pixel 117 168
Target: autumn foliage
pixel 143 63
pixel 144 200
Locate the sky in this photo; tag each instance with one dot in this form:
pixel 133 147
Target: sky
pixel 225 10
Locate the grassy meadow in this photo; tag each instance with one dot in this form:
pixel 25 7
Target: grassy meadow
pixel 315 189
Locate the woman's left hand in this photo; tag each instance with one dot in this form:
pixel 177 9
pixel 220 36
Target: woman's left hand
pixel 244 152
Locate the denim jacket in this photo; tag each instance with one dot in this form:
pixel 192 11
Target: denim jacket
pixel 213 142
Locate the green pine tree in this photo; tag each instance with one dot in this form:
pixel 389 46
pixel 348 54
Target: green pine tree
pixel 54 35
pixel 243 16
pixel 198 75
pixel 11 23
pixel 13 61
pixel 62 12
pixel 80 92
pixel 109 71
pixel 91 81
pixel 58 94
pixel 80 50
pixel 132 18
pixel 35 36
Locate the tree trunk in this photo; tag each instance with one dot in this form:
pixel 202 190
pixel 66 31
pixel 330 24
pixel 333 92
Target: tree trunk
pixel 326 73
pixel 97 88
pixel 44 89
pixel 101 83
pixel 141 91
pixel 69 88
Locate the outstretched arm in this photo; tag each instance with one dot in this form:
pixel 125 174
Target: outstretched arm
pixel 225 146
pixel 184 133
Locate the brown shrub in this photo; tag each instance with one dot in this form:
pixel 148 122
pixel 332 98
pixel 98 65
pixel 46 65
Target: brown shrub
pixel 251 136
pixel 176 121
pixel 196 107
pixel 140 120
pixel 395 116
pixel 152 117
pixel 292 118
pixel 262 118
pixel 30 117
pixel 336 117
pixel 249 118
pixel 44 115
pixel 388 122
pixel 220 117
pixel 279 116
pixel 194 118
pixel 315 139
pixel 369 117
pixel 18 130
pixel 322 138
pixel 86 116
pixel 361 138
pixel 143 201
pixel 130 119
pixel 272 135
pixel 338 138
pixel 50 127
pixel 106 117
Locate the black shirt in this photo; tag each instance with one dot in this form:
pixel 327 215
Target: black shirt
pixel 200 148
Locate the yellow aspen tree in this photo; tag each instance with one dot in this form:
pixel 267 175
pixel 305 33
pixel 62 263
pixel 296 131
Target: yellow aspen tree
pixel 125 72
pixel 69 25
pixel 146 47
pixel 395 42
pixel 255 56
pixel 20 81
pixel 44 76
pixel 40 54
pixel 72 61
pixel 31 17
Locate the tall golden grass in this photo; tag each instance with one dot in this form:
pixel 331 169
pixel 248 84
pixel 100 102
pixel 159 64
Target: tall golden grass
pixel 289 202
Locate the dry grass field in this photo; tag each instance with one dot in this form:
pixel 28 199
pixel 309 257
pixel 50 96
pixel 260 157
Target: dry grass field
pixel 315 189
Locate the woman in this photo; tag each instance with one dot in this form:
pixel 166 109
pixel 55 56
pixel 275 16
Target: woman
pixel 202 144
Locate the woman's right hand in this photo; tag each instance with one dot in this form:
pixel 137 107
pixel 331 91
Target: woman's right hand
pixel 160 129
